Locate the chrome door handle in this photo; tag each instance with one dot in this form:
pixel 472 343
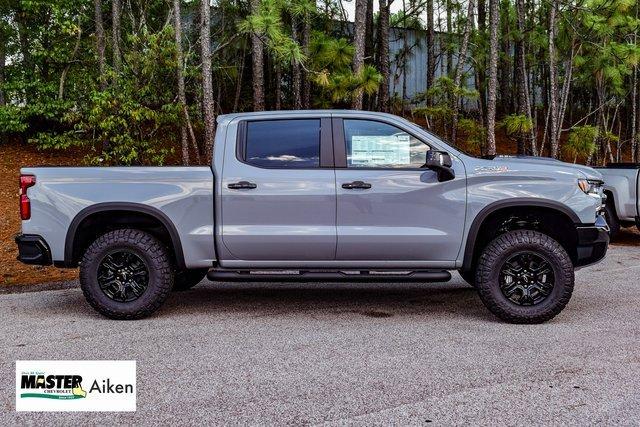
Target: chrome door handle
pixel 356 185
pixel 242 185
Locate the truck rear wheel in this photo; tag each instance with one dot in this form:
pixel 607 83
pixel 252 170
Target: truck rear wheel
pixel 126 274
pixel 187 279
pixel 525 277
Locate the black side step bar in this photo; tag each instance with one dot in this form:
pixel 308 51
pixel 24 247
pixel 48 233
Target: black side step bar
pixel 229 275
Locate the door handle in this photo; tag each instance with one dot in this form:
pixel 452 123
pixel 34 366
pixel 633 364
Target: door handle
pixel 242 185
pixel 356 184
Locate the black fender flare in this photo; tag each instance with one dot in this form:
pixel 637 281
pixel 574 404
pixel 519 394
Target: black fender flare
pixel 508 203
pixel 122 206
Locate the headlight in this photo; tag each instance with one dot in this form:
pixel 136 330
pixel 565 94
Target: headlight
pixel 592 187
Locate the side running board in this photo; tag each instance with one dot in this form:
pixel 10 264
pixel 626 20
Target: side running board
pixel 229 275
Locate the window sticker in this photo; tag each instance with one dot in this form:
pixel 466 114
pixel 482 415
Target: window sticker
pixel 376 150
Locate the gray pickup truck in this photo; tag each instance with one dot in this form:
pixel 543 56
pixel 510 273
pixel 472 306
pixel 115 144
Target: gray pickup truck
pixel 621 186
pixel 319 196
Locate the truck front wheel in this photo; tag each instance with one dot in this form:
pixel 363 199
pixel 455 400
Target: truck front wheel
pixel 525 277
pixel 126 274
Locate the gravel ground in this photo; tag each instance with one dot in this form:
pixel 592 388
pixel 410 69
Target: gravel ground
pixel 348 354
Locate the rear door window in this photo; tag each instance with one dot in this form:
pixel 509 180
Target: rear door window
pixel 283 144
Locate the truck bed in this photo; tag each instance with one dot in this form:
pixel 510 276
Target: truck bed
pixel 181 196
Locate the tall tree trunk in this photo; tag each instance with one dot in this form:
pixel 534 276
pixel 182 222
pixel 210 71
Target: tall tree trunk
pixel 482 65
pixel 207 78
pixel 634 116
pixel 505 62
pixel 383 55
pixel 100 43
pixel 28 64
pixel 115 23
pixel 3 58
pixel 295 70
pixel 257 64
pixel 306 82
pixel 524 106
pixel 182 97
pixel 462 59
pixel 65 71
pixel 553 80
pixel 431 51
pixel 368 37
pixel 405 53
pixel 494 19
pixel 236 100
pixel 358 42
pixel 634 100
pixel 449 37
pixel 278 87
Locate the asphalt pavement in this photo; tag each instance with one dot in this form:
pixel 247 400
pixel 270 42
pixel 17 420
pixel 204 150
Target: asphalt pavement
pixel 367 354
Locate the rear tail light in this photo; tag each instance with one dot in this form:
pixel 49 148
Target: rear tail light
pixel 26 181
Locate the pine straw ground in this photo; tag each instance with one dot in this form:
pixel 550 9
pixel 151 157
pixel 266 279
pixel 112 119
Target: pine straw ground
pixel 14 156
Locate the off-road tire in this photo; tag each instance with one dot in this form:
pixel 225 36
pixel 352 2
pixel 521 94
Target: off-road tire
pixel 156 259
pixel 494 256
pixel 187 279
pixel 612 218
pixel 469 277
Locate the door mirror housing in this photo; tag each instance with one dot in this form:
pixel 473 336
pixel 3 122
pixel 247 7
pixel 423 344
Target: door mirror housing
pixel 440 162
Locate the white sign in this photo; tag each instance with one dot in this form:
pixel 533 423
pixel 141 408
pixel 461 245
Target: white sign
pixel 76 385
pixel 381 150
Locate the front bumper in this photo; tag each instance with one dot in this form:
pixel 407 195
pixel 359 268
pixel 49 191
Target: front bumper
pixel 32 249
pixel 593 241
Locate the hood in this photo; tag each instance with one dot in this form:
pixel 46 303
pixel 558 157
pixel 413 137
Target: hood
pixel 587 171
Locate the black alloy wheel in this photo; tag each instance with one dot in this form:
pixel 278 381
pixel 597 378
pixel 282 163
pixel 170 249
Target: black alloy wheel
pixel 123 276
pixel 526 278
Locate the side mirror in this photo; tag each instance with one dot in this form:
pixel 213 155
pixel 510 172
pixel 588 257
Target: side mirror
pixel 440 162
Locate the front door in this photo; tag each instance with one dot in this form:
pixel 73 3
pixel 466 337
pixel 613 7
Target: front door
pixel 390 208
pixel 278 192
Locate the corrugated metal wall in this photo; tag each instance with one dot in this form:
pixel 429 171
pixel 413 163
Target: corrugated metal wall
pixel 416 70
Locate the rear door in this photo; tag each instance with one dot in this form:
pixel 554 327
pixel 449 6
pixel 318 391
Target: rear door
pixel 278 192
pixel 389 207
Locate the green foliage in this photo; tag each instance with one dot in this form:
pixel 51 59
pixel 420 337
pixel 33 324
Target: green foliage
pixel 516 124
pixel 330 62
pixel 267 22
pixel 53 98
pixel 475 134
pixel 436 103
pixel 581 142
pixel 127 123
pixel 443 92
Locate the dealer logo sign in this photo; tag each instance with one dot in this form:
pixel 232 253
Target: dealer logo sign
pixel 76 385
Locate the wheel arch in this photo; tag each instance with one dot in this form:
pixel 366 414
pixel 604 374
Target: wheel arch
pixel 504 206
pixel 120 211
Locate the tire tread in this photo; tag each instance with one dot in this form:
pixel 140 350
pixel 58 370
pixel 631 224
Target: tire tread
pixel 523 238
pixel 144 242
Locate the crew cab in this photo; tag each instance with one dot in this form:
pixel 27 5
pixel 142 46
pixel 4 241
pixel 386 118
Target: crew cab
pixel 319 196
pixel 621 186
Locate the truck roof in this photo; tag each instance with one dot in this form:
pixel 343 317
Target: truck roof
pixel 225 118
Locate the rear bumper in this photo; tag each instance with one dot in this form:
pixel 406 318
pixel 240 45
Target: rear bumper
pixel 593 241
pixel 32 249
